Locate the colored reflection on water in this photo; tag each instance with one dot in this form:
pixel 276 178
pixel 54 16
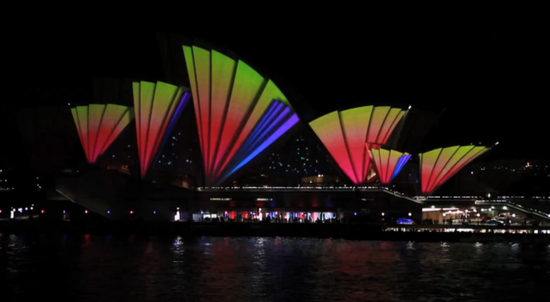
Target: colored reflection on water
pixel 109 268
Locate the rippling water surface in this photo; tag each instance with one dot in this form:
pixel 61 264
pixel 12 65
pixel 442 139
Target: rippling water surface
pixel 89 268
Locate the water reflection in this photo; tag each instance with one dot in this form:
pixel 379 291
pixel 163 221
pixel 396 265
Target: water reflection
pixel 92 268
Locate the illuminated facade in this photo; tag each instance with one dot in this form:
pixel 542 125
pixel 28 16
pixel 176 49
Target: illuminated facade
pixel 99 125
pixel 388 163
pixel 157 107
pixel 345 134
pixel 438 165
pixel 239 112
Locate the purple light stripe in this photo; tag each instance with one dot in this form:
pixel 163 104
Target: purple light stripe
pixel 261 135
pixel 260 130
pixel 183 103
pixel 400 164
pixel 282 130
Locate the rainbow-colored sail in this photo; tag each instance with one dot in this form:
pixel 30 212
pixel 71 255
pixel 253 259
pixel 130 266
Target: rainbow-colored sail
pixel 99 125
pixel 345 134
pixel 239 112
pixel 388 163
pixel 438 165
pixel 157 107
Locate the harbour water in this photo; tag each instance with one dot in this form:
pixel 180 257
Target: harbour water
pixel 131 268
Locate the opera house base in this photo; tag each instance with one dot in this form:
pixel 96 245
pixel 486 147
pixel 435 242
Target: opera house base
pixel 378 232
pixel 118 196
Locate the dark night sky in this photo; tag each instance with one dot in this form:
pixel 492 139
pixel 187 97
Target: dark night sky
pixel 483 64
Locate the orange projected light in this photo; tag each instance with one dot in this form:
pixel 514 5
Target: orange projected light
pixel 438 165
pixel 99 125
pixel 345 134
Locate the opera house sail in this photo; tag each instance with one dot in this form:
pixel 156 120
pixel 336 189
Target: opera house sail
pixel 346 133
pixel 157 107
pixel 99 125
pixel 388 163
pixel 239 112
pixel 438 165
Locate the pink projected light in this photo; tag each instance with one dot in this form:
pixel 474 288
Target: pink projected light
pixel 156 106
pixel 438 165
pixel 346 133
pixel 99 125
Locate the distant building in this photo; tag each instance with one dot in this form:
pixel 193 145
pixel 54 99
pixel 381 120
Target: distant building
pixel 302 156
pixel 7 183
pixel 505 177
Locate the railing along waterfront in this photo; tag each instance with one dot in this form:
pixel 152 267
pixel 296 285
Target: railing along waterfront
pixel 514 205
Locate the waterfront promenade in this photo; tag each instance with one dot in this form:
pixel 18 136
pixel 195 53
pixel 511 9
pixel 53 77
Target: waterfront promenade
pixel 358 231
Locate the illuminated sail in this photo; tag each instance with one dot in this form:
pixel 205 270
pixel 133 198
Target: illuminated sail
pixel 388 163
pixel 438 165
pixel 345 134
pixel 157 107
pixel 239 112
pixel 99 125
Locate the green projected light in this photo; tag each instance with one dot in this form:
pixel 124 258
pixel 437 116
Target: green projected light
pixel 239 112
pixel 438 165
pixel 99 125
pixel 156 106
pixel 346 133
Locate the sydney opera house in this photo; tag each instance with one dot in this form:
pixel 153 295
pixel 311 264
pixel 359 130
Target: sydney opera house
pixel 195 145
